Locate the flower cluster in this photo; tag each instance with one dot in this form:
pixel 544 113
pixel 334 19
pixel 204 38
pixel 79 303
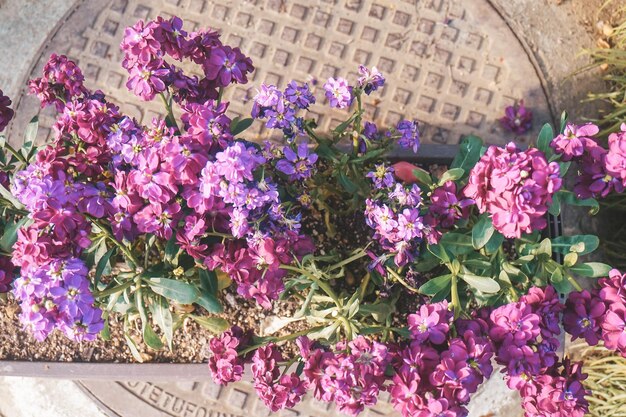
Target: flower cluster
pixel 600 171
pixel 57 296
pixel 6 113
pixel 277 390
pixel 224 361
pixel 526 338
pixel 395 216
pixel 515 187
pixel 62 82
pixel 147 44
pixel 280 108
pixel 600 314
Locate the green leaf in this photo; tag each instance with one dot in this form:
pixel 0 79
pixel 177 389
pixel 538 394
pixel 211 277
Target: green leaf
pixel 435 285
pixel 209 302
pixel 564 167
pixel 178 291
pixel 208 280
pixel 482 232
pixel 494 243
pixel 563 123
pixel 171 251
pixel 469 153
pixel 555 207
pixel 545 137
pixel 452 174
pixel 134 350
pixel 560 283
pixel 457 243
pixel 581 244
pixel 545 248
pixel 10 234
pixel 423 176
pixel 440 252
pixel 162 317
pixel 30 134
pixel 347 183
pixel 103 265
pixel 344 125
pixel 239 125
pixel 379 311
pixel 591 269
pixel 6 194
pixel 213 324
pixel 150 338
pixel 486 285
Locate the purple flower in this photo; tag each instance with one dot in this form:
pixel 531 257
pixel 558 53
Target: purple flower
pixel 382 176
pixel 410 135
pixel 370 80
pixel 300 96
pixel 297 165
pixel 6 113
pixel 338 92
pixel 228 65
pixel 517 119
pixel 62 81
pixel 574 140
pixel 583 316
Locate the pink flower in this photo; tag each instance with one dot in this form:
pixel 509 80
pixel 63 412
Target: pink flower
pixel 574 140
pixel 515 187
pixel 224 362
pixel 338 92
pixel 616 157
pixel 430 323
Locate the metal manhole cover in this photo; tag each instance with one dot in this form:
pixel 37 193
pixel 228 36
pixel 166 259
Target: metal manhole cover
pixel 453 65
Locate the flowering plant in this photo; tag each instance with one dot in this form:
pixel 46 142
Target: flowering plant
pixel 435 277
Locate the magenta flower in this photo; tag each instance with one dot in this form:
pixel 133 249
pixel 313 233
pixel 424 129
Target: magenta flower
pixel 446 207
pixel 614 330
pixel 430 323
pixel 616 156
pixel 517 119
pixel 6 274
pixel 6 113
pixel 207 123
pixel 574 140
pixel 515 322
pixel 224 362
pixel 515 187
pixel 593 179
pixel 146 81
pixel 338 92
pixel 62 81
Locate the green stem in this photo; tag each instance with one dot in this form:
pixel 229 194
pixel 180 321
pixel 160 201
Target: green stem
pixel 351 259
pixel 284 338
pixel 357 124
pixel 324 286
pixel 402 281
pixel 129 255
pixel 119 288
pixel 346 325
pixel 170 114
pixel 574 283
pixel 456 302
pixel 15 153
pixel 222 235
pixel 219 96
